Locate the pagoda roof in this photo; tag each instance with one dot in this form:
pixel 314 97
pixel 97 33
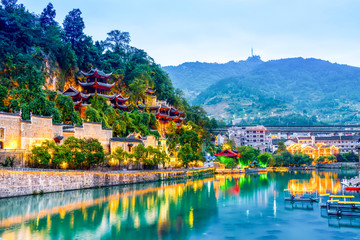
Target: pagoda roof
pixel 97 84
pixel 151 91
pixel 154 107
pixel 163 116
pixel 165 107
pixel 70 90
pixel 141 106
pixel 174 110
pixel 102 95
pixel 94 72
pixel 73 92
pixel 120 98
pixel 80 103
pixel 123 107
pixel 227 153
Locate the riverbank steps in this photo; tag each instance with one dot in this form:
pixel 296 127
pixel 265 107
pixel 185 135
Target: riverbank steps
pixel 19 182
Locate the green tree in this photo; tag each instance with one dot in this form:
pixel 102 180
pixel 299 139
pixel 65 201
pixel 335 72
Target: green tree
pixel 281 147
pixel 73 27
pixel 61 155
pixel 264 159
pixel 248 155
pixel 229 162
pixel 47 16
pixel 40 155
pixel 117 40
pixel 3 97
pixel 120 155
pixel 186 154
pixel 139 155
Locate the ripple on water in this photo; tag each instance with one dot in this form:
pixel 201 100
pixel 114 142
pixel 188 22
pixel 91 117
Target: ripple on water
pixel 273 231
pixel 266 237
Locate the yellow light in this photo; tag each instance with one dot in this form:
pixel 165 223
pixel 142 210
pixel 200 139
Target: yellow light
pixel 191 218
pixel 64 165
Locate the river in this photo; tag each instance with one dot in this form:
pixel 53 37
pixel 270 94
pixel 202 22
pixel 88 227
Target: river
pixel 221 207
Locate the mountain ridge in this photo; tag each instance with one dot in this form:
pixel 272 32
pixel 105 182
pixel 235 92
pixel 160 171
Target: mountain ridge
pixel 256 89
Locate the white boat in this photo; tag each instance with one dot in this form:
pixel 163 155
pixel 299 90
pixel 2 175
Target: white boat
pixel 345 182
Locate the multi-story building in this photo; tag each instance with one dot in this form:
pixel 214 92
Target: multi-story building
pixel 254 136
pixel 343 143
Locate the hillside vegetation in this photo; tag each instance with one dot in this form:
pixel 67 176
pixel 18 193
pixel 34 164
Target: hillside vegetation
pixel 39 58
pixel 285 91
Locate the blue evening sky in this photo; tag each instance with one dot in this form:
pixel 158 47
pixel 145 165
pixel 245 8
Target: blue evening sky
pixel 177 31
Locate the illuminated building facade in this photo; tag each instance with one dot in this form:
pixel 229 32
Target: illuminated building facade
pixel 314 151
pixel 19 134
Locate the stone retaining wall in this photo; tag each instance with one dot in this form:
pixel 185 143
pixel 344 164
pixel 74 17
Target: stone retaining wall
pixel 339 165
pixel 25 182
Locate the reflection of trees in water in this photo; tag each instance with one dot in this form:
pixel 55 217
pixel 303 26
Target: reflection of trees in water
pixel 253 189
pixel 140 211
pixel 242 184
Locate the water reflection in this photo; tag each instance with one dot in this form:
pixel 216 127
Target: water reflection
pixel 320 182
pixel 159 208
pixel 217 207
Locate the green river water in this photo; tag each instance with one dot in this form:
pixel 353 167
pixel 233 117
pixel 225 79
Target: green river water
pixel 221 207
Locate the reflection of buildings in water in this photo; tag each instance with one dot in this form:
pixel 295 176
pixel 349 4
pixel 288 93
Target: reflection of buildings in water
pixel 253 189
pixel 344 222
pixel 168 206
pixel 322 182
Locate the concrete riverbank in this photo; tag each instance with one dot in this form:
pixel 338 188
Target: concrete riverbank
pixel 19 182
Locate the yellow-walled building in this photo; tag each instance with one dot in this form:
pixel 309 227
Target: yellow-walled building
pixel 314 151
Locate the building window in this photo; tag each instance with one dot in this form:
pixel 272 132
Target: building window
pixel 2 135
pixel 1 145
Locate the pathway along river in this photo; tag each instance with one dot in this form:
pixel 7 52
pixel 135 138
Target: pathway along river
pixel 223 207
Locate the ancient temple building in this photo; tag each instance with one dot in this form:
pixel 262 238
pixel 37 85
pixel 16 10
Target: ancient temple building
pixel 120 102
pixel 96 83
pixel 163 111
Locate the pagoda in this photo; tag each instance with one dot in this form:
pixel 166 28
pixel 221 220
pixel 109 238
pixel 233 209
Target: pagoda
pixel 163 111
pixel 96 84
pixel 119 102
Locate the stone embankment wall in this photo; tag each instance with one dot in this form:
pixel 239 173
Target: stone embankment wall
pixel 339 165
pixel 31 181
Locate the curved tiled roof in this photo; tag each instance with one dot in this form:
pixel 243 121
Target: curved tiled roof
pixel 100 84
pixel 96 73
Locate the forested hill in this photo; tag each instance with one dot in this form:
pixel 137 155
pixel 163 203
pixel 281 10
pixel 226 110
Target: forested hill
pixel 194 77
pixel 289 91
pixel 40 57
